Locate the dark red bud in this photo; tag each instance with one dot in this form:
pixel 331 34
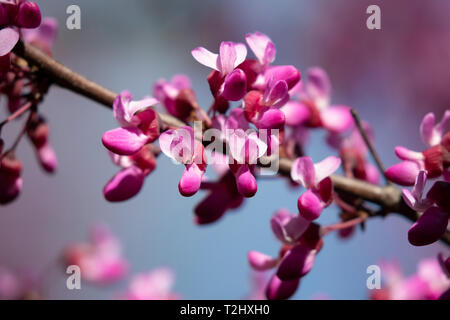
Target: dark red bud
pixel 252 104
pixel 440 194
pixel 29 15
pixel 434 161
pixel 185 103
pixel 10 165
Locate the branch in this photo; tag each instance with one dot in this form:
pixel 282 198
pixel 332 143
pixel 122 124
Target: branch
pixel 389 197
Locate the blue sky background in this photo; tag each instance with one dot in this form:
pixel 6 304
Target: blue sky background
pixel 129 45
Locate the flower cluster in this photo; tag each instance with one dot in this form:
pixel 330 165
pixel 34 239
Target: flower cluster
pixel 275 113
pixel 14 15
pixel 431 282
pixel 301 241
pixel 416 169
pixel 24 89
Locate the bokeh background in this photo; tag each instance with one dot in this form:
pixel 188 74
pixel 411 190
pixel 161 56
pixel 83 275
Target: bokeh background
pixel 391 76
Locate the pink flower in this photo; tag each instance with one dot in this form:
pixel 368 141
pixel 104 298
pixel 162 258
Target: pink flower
pixel 301 242
pixel 38 132
pixel 15 14
pixel 427 284
pixel 129 181
pixel 10 178
pixel 316 179
pixel 44 36
pixel 353 152
pixel 176 96
pixel 432 224
pixel 222 196
pixel 139 125
pixel 262 47
pixel 100 260
pixel 181 146
pixel 314 110
pixel 435 160
pixel 228 80
pixel 154 285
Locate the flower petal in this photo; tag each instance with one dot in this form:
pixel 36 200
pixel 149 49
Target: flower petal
pixel 246 182
pixel 296 113
pixel 318 86
pixel 326 168
pixel 310 206
pixel 272 118
pixel 281 290
pixel 262 47
pixel 403 173
pixel 296 263
pixel 241 53
pixel 427 130
pixel 405 154
pixel 124 141
pixel 235 85
pixel 124 185
pixel 207 58
pixel 337 119
pixel 227 57
pixel 303 172
pixel 430 227
pixel 8 40
pixel 260 261
pixel 190 181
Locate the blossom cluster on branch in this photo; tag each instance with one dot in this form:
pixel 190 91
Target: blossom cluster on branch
pixel 260 113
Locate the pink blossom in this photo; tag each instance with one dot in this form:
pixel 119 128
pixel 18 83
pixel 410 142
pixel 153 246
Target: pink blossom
pixel 38 133
pixel 427 284
pixel 153 285
pixel 316 179
pixel 228 80
pixel 10 178
pixel 176 96
pixel 181 146
pixel 100 260
pixel 15 14
pixel 139 125
pixel 435 160
pixel 301 242
pixel 129 181
pixel 262 47
pixel 314 100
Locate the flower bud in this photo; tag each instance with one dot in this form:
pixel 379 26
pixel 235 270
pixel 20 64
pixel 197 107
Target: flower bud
pixel 29 15
pixel 403 173
pixel 3 16
pixel 272 119
pixel 309 206
pixel 246 182
pixel 235 85
pixel 430 227
pixel 281 290
pixel 434 161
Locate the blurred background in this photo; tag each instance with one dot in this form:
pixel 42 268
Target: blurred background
pixel 392 76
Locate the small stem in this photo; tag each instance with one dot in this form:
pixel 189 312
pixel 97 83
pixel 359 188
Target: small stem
pixel 16 114
pixel 344 225
pixel 369 145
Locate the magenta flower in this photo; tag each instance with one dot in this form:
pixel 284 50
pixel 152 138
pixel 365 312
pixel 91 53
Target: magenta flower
pixel 435 160
pixel 15 14
pixel 313 109
pixel 154 285
pixel 316 179
pixel 262 47
pixel 427 284
pixel 228 80
pixel 301 242
pixel 100 260
pixel 129 181
pixel 176 96
pixel 432 224
pixel 181 146
pixel 38 132
pixel 10 178
pixel 139 125
pixel 44 36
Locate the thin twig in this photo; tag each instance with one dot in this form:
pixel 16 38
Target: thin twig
pixel 369 145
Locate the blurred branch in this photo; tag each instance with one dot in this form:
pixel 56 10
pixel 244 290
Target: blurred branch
pixel 389 197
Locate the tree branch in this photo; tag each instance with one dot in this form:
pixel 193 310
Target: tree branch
pixel 389 197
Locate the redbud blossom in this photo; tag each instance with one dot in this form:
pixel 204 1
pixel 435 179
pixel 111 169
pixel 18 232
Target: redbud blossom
pixel 315 178
pixel 101 259
pixel 139 125
pixel 181 146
